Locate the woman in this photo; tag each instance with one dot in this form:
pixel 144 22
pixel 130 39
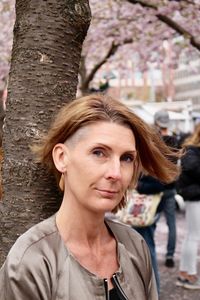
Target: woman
pixel 96 148
pixel 189 188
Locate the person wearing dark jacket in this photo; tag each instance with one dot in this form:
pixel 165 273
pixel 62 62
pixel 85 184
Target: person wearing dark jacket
pixel 161 120
pixel 150 185
pixel 188 187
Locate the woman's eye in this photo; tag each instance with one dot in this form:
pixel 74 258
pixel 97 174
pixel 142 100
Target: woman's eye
pixel 98 153
pixel 127 158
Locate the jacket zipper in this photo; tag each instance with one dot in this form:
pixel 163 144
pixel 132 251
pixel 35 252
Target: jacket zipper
pixel 118 288
pixel 106 289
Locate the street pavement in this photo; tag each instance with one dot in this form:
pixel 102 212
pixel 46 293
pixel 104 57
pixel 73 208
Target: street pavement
pixel 169 291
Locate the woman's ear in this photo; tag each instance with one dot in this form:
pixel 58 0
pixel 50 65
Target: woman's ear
pixel 60 157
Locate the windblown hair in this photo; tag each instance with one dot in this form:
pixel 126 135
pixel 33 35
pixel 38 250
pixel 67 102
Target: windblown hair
pixel 194 138
pixel 153 156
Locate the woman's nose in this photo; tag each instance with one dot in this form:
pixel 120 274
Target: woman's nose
pixel 114 170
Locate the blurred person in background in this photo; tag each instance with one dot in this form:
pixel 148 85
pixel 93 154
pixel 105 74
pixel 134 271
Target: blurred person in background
pixel 161 121
pixel 149 185
pixel 188 187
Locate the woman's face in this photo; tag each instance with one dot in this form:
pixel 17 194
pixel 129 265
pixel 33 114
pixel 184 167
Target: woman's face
pixel 100 166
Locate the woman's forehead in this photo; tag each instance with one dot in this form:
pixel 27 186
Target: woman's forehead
pixel 103 131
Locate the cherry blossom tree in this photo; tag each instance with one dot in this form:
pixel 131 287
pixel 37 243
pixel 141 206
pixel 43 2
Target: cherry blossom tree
pixel 46 52
pixel 135 30
pixel 131 29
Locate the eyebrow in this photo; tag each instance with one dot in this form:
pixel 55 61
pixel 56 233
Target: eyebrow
pixel 134 151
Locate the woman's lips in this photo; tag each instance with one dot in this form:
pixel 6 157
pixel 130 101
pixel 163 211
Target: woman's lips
pixel 107 193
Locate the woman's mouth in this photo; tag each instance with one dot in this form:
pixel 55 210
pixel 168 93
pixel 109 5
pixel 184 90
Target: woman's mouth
pixel 107 193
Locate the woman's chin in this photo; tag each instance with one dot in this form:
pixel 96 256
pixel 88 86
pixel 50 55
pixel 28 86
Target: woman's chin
pixel 105 207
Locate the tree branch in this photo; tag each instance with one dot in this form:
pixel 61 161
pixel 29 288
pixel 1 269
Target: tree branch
pixel 178 28
pixel 143 3
pixel 170 22
pixel 112 50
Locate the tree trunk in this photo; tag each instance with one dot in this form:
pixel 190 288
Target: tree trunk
pixel 48 37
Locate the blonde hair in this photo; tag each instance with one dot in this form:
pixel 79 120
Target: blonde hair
pixel 194 138
pixel 153 156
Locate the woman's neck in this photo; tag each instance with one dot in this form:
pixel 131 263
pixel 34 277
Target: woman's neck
pixel 88 239
pixel 81 226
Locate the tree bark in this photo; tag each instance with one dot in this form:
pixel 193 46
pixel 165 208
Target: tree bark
pixel 48 37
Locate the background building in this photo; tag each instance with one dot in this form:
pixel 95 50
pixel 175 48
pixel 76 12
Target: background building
pixel 187 81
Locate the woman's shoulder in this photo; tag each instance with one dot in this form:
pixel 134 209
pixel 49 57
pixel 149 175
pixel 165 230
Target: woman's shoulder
pixel 35 235
pixel 126 235
pixel 37 245
pixel 35 259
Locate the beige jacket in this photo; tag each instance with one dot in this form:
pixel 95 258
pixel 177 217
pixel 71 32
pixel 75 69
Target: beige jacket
pixel 39 267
